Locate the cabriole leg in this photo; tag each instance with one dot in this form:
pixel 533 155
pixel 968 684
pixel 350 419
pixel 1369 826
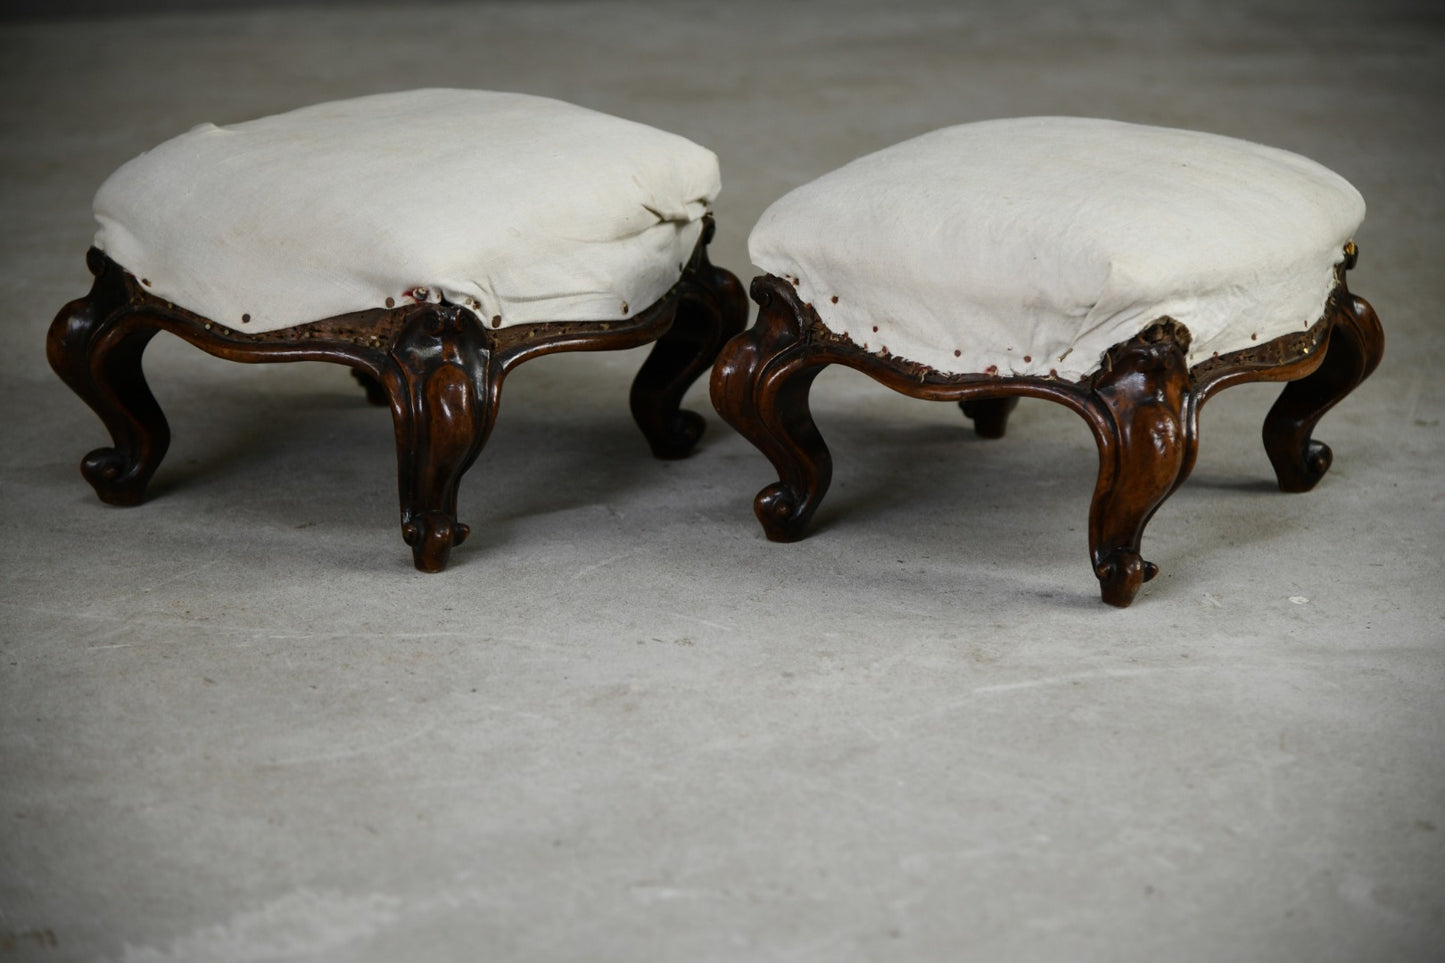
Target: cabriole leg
pixel 95 345
pixel 1356 343
pixel 1146 447
pixel 760 386
pixel 711 309
pixel 443 386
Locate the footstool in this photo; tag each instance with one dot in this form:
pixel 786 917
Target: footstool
pixel 431 240
pixel 1124 271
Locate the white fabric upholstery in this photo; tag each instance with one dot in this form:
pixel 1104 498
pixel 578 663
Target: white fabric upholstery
pixel 516 206
pixel 1030 245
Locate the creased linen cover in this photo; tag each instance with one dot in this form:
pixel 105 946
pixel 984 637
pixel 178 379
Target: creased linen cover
pixel 1030 245
pixel 520 207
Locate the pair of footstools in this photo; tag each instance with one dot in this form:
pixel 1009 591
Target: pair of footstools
pixel 433 240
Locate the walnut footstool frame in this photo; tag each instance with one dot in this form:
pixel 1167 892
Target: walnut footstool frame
pixel 437 365
pixel 1142 405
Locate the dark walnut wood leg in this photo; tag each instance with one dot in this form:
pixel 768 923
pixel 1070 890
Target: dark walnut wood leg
pixel 989 415
pixel 95 345
pixel 711 308
pixel 1355 346
pixel 760 386
pixel 443 385
pixel 1146 448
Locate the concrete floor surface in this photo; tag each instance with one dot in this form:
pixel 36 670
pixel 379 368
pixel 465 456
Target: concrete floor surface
pixel 235 725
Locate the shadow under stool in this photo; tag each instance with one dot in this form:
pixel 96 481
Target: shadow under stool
pixel 430 240
pixel 1126 272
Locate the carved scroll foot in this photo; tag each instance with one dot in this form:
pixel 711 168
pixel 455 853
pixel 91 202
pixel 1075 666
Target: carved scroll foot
pixel 95 345
pixel 1121 574
pixel 431 536
pixel 443 385
pixel 1356 343
pixel 1146 448
pixel 760 386
pixel 989 415
pixel 711 309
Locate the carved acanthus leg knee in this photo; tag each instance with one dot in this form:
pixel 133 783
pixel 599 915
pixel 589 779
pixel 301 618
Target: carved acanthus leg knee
pixel 95 344
pixel 760 386
pixel 1146 446
pixel 989 415
pixel 443 386
pixel 1356 343
pixel 711 309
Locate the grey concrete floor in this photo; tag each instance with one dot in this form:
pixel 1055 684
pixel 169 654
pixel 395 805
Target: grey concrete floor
pixel 235 725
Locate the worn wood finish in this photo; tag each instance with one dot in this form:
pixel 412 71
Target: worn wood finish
pixel 438 367
pixel 1142 407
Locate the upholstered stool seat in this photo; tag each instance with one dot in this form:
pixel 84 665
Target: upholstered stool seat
pixel 1126 271
pixel 431 240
